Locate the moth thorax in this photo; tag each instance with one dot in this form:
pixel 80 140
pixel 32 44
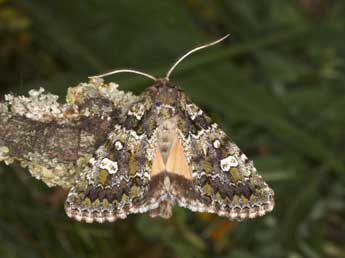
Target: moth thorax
pixel 166 112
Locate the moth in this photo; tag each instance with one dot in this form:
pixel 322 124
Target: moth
pixel 159 149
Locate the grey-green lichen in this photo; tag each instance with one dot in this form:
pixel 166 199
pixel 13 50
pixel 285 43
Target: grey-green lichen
pixel 44 107
pixel 4 155
pixel 52 171
pixel 4 151
pixel 54 140
pixel 37 106
pixel 97 89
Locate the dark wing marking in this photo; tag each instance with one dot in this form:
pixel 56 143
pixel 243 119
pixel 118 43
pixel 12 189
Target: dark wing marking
pixel 224 180
pixel 56 140
pixel 116 181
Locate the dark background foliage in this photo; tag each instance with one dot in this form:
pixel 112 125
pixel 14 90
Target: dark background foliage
pixel 276 86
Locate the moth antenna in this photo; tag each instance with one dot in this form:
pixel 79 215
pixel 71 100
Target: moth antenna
pixel 123 71
pixel 192 51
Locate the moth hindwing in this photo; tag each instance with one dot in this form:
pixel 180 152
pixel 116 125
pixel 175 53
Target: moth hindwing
pixel 166 150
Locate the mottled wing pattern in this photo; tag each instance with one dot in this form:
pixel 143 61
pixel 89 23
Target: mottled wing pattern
pixel 124 154
pixel 56 140
pixel 224 181
pixel 116 181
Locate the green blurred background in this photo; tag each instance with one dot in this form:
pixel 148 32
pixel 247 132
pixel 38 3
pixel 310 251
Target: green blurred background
pixel 276 86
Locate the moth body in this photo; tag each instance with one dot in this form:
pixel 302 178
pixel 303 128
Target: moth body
pixel 167 151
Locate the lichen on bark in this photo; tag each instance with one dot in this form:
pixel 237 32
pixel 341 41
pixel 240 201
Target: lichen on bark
pixel 56 140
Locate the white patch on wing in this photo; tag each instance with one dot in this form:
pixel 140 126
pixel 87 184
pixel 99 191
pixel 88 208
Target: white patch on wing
pixel 109 165
pixel 193 111
pixel 118 145
pixel 216 144
pixel 243 157
pixel 228 162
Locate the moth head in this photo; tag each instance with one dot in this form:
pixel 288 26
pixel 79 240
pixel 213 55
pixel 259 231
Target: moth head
pixel 163 95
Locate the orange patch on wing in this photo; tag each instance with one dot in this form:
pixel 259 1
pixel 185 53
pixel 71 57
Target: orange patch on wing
pixel 177 162
pixel 158 165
